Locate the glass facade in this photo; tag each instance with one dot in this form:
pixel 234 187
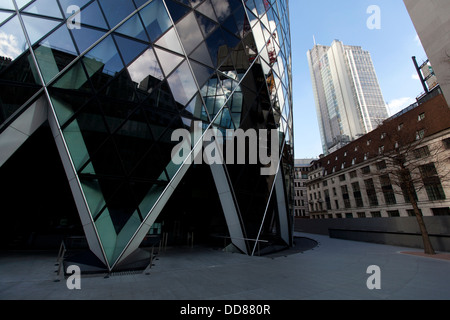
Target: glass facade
pixel 121 76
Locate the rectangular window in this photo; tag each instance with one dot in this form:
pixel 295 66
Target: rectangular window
pixel 393 213
pixel 327 199
pixel 353 174
pixel 441 211
pixel 365 170
pixel 446 143
pixel 371 192
pixel 420 134
pixel 349 215
pixel 388 191
pixel 422 152
pixel 381 165
pixel 357 194
pixel 361 214
pixel 411 213
pixel 432 182
pixel 375 214
pixel 421 116
pixel 346 196
pixel 342 177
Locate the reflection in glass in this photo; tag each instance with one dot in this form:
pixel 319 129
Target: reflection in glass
pixel 116 11
pixel 189 32
pixel 133 28
pixel 55 53
pixel 182 84
pixel 105 53
pixel 156 19
pixel 168 60
pixel 92 16
pixel 13 42
pixel 144 68
pixel 170 42
pixel 38 27
pixel 44 8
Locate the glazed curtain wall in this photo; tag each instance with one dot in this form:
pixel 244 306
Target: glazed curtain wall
pixel 121 76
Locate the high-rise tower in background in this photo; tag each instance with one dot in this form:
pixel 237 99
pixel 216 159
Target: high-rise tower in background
pixel 108 82
pixel 348 97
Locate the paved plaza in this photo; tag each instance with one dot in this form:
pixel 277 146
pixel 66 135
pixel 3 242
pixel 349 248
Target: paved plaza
pixel 333 270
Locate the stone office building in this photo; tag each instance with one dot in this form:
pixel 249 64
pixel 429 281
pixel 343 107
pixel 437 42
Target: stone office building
pixel 354 181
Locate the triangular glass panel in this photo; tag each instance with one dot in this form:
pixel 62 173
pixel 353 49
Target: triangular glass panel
pixel 116 11
pixel 16 43
pixel 139 3
pixel 189 32
pixel 206 25
pixel 230 25
pixel 121 89
pixel 74 79
pixel 153 106
pixel 7 4
pixel 107 55
pixel 66 103
pixel 217 47
pixel 224 120
pixel 251 18
pixel 232 40
pixel 86 37
pixel 201 72
pixel 224 8
pixel 92 16
pixel 38 27
pixel 207 9
pixel 129 49
pixel 4 16
pixel 69 6
pixel 170 42
pixel 55 53
pixel 202 54
pixel 156 19
pixel 133 28
pixel 48 8
pixel 182 84
pixel 145 71
pixel 168 60
pixel 93 194
pixel 195 109
pixel 241 20
pixel 177 11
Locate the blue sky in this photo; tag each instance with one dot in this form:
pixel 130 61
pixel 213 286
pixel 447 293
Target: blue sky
pixel 391 48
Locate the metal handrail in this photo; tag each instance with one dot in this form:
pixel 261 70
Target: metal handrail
pixel 60 259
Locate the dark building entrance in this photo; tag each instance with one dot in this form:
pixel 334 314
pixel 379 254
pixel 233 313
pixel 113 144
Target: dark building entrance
pixel 37 206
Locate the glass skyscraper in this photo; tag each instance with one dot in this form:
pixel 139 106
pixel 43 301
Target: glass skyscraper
pixel 112 80
pixel 348 97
